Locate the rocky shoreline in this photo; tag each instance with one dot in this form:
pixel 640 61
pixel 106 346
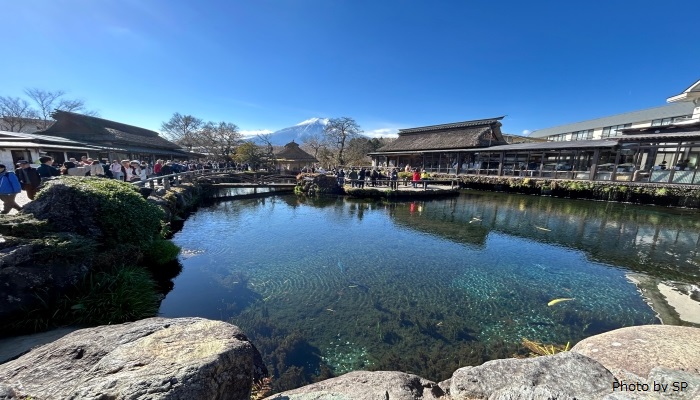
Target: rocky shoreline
pixel 196 358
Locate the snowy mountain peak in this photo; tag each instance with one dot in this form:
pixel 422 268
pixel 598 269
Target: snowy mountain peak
pixel 299 133
pixel 322 121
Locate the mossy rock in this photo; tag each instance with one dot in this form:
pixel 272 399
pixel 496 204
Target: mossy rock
pixel 108 210
pixel 23 225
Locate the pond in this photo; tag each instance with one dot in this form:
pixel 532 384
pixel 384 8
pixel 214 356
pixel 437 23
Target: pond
pixel 328 286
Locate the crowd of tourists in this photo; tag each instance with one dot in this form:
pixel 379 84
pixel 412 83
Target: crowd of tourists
pixel 27 178
pixel 379 176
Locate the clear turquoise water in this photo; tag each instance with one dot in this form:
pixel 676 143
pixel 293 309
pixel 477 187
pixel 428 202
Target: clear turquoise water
pixel 421 286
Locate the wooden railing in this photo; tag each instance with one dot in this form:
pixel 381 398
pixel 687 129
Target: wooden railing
pixel 177 178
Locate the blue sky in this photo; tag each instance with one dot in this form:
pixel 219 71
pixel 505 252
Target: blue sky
pixel 266 65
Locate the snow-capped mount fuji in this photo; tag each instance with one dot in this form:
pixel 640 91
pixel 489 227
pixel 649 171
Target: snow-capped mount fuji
pixel 299 132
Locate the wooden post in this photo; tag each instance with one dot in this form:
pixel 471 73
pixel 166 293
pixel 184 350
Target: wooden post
pixel 594 164
pixel 674 161
pixel 500 163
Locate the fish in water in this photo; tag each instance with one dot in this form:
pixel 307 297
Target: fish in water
pixel 342 267
pixel 543 229
pixel 358 285
pixel 330 309
pixel 475 219
pixel 555 301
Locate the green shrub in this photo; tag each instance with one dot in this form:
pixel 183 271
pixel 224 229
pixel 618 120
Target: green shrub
pixel 661 192
pixel 107 209
pixel 160 252
pixel 121 295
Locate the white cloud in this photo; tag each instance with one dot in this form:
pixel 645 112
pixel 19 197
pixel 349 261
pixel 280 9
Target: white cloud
pixel 527 132
pixel 384 132
pixel 253 133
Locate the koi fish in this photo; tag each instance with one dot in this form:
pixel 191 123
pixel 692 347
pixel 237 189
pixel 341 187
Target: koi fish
pixel 330 309
pixel 543 229
pixel 555 301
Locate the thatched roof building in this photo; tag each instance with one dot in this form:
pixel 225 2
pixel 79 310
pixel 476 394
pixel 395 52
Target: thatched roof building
pixel 436 147
pixel 454 136
pixel 115 139
pixel 293 158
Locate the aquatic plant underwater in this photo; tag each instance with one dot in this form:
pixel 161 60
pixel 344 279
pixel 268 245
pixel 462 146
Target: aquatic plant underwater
pixel 323 289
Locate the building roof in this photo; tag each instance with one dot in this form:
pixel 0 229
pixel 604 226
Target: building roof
pixel 690 94
pixel 459 135
pixel 292 152
pixel 99 131
pixel 560 145
pixel 681 130
pixel 463 124
pixel 649 114
pixel 48 146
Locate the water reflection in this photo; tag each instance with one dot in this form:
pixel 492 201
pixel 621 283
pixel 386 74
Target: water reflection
pixel 424 287
pixel 658 241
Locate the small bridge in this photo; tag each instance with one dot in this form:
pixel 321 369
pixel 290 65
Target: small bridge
pixel 223 178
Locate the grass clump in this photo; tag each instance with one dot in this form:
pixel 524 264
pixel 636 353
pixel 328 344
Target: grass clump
pixel 112 297
pixel 539 349
pixel 160 252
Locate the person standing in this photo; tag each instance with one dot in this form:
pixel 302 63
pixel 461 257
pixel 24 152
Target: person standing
pixel 394 179
pixel 353 177
pixel 157 167
pixel 361 176
pixel 29 178
pixel 95 169
pixel 116 169
pixel 9 187
pixel 46 169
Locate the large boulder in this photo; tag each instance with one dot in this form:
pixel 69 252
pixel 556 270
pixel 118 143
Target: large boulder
pixel 561 376
pixel 155 358
pixel 639 349
pixel 364 385
pixel 34 273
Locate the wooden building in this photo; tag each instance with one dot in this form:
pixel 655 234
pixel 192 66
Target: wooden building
pixel 291 158
pixel 15 146
pixel 439 148
pixel 114 140
pixel 653 154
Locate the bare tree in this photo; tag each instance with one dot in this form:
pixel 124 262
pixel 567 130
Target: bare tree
pixel 315 142
pixel 16 113
pixel 47 102
pixel 338 132
pixel 182 129
pixel 218 139
pixel 267 151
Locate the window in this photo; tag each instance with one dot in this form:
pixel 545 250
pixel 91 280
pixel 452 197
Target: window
pixel 611 131
pixel 557 138
pixel 669 121
pixel 582 135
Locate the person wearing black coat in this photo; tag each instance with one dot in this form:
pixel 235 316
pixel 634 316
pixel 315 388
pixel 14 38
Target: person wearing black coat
pixel 28 177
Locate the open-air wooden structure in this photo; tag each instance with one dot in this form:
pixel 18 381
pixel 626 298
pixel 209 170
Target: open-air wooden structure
pixel 658 154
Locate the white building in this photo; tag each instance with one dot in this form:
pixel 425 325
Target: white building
pixel 606 127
